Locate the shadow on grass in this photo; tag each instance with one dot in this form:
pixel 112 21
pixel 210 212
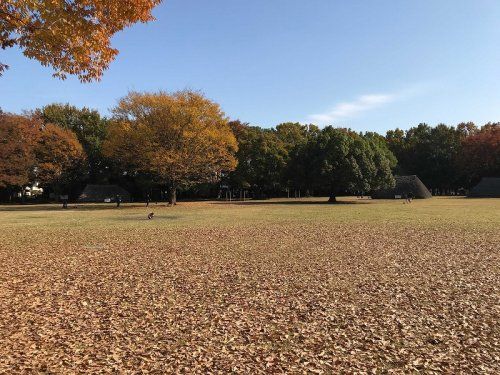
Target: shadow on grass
pixel 71 207
pixel 144 218
pixel 287 203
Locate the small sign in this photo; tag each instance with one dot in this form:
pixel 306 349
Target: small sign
pixel 107 200
pixel 397 197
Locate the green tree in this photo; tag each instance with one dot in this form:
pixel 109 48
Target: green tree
pixel 343 161
pixel 396 142
pixel 295 137
pixel 294 134
pixel 381 143
pixel 429 152
pixel 261 155
pixel 90 129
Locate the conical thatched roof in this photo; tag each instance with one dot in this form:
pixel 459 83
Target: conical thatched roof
pixel 100 193
pixel 488 187
pixel 404 185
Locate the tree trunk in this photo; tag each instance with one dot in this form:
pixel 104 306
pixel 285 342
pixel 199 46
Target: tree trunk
pixel 172 196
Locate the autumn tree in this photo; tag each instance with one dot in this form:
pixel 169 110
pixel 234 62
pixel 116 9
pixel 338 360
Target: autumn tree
pixel 74 37
pixel 90 129
pixel 35 152
pixel 480 154
pixel 181 138
pixel 58 156
pixel 16 157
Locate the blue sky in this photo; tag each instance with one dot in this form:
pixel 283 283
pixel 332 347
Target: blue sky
pixel 368 65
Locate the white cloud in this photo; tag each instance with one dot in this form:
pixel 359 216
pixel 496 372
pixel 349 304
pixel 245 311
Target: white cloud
pixel 363 103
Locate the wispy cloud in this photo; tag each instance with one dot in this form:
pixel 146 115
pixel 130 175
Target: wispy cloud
pixel 363 103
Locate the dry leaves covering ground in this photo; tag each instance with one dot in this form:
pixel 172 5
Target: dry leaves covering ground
pixel 211 288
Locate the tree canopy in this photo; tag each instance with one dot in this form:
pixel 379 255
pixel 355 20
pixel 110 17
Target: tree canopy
pixel 16 156
pixel 480 154
pixel 181 138
pixel 57 152
pixel 447 157
pixel 261 158
pixel 74 37
pixel 35 152
pixel 90 129
pixel 265 156
pixel 343 161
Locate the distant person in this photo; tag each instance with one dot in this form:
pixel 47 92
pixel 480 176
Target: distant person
pixel 410 197
pixel 64 199
pixel 118 200
pixel 148 199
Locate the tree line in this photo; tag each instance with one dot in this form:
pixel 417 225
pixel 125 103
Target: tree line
pixel 312 160
pixel 157 144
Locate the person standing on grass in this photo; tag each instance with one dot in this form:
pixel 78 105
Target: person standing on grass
pixel 118 199
pixel 148 199
pixel 410 197
pixel 64 199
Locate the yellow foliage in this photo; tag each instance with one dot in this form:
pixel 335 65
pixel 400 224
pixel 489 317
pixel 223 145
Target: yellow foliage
pixel 56 151
pixel 181 138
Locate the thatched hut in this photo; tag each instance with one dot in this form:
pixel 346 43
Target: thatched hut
pixel 103 193
pixel 404 186
pixel 488 187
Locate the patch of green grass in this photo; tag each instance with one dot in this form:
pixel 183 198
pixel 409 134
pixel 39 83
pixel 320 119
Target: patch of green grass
pixel 440 212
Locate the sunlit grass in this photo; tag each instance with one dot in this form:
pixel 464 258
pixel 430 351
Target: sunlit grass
pixel 437 211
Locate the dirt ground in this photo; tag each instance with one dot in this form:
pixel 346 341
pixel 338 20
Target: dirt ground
pixel 282 286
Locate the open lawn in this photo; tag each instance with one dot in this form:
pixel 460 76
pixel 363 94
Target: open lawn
pixel 274 286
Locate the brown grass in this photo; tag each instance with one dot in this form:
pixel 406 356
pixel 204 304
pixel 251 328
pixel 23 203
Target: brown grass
pixel 252 288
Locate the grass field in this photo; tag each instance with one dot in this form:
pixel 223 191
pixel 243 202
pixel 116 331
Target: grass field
pixel 256 287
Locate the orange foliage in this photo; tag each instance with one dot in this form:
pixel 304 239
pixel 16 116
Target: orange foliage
pixel 481 151
pixel 71 36
pixel 16 156
pixel 181 138
pixel 31 151
pixel 56 151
